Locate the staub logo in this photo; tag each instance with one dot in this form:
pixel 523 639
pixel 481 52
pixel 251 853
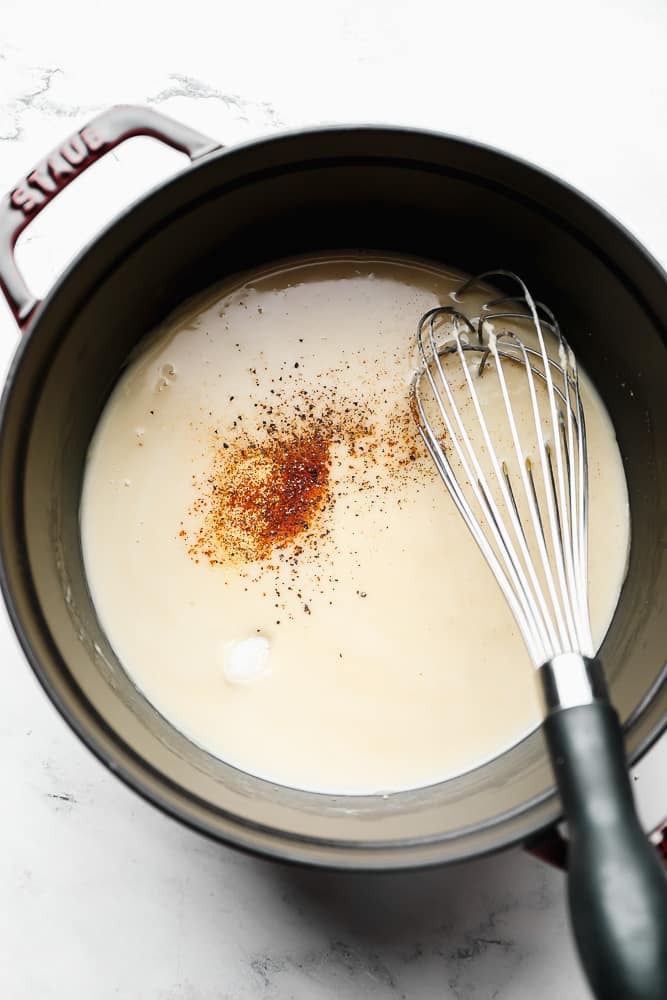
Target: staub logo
pixel 57 170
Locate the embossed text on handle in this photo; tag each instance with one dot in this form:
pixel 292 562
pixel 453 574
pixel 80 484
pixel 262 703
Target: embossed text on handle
pixel 55 172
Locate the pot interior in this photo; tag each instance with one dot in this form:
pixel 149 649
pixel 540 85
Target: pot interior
pixel 383 190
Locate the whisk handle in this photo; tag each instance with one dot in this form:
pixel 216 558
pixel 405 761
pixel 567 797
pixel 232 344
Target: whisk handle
pixel 617 889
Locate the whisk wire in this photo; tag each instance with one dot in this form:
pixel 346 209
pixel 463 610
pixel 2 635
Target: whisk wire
pixel 525 468
pixel 525 567
pixel 513 580
pixel 555 497
pixel 509 581
pixel 547 594
pixel 520 612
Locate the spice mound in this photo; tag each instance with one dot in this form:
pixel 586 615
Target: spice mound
pixel 262 497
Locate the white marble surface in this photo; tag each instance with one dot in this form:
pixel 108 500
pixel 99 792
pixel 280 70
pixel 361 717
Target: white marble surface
pixel 103 897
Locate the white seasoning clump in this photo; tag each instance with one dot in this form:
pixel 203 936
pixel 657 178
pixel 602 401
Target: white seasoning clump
pixel 246 660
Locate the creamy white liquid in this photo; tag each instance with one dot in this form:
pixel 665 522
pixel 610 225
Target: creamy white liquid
pixel 374 651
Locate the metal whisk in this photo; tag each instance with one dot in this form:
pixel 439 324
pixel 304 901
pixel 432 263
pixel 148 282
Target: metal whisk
pixel 521 485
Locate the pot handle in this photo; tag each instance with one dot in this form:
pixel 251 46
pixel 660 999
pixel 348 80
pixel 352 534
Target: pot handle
pixel 88 144
pixel 552 847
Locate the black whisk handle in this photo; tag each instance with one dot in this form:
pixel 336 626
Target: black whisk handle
pixel 617 888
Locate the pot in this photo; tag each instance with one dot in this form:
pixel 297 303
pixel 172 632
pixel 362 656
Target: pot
pixel 384 189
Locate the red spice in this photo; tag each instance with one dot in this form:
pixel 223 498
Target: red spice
pixel 262 497
pixel 280 495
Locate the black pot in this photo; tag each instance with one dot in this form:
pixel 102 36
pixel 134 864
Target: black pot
pixel 334 188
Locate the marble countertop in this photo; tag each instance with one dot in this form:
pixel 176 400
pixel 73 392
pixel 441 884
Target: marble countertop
pixel 103 897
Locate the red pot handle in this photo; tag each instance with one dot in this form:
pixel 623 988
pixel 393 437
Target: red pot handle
pixel 551 846
pixel 63 165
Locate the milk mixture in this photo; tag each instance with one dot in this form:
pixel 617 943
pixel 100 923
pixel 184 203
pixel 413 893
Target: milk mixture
pixel 273 557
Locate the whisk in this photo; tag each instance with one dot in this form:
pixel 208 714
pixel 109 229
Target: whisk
pixel 521 486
